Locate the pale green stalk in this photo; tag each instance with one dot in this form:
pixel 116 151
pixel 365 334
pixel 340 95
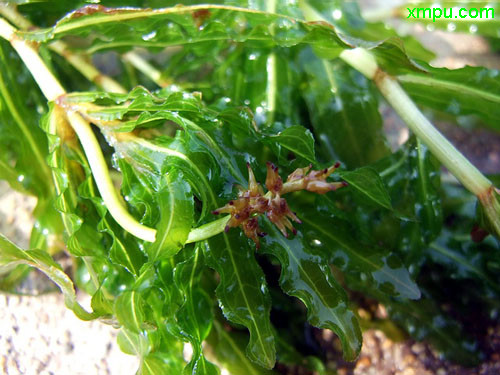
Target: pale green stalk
pixel 146 68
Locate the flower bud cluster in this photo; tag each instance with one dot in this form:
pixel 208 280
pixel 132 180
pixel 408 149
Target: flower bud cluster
pixel 252 202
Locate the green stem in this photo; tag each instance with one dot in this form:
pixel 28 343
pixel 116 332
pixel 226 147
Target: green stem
pixel 208 230
pixel 50 86
pixel 146 68
pixel 103 180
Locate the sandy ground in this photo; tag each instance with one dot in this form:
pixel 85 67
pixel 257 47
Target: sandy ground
pixel 39 335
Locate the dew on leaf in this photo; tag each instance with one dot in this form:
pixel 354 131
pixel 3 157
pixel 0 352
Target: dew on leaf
pixel 337 14
pixel 149 36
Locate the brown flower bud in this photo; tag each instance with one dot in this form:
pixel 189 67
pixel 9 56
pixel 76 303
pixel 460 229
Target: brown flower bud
pixel 274 183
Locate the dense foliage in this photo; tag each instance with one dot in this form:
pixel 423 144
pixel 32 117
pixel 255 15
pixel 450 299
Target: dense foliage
pixel 210 94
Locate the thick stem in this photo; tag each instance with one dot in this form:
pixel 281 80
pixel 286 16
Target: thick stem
pixel 49 85
pixel 363 61
pixel 458 165
pixel 103 180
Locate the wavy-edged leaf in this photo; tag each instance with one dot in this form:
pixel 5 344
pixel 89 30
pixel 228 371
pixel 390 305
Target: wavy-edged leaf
pixel 242 292
pixel 307 276
pixel 412 177
pixel 140 109
pixel 377 268
pixel 465 91
pixel 176 205
pixel 10 254
pixel 132 343
pixel 195 316
pixel 229 350
pixel 368 183
pixel 82 235
pixel 115 27
pixel 129 310
pixel 296 140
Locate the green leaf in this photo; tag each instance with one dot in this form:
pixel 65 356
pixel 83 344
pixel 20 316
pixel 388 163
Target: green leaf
pixel 229 349
pixel 155 364
pixel 194 316
pixel 465 91
pixel 376 268
pixel 352 23
pixel 343 108
pixel 146 28
pixel 176 204
pixel 308 277
pixel 242 292
pixel 428 181
pixel 295 139
pixel 10 254
pixel 129 310
pixel 66 160
pixel 412 177
pixel 132 343
pixel 368 183
pixel 23 145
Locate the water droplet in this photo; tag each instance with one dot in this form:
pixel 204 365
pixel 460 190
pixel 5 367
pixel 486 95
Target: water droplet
pixel 127 198
pixel 473 29
pixel 263 288
pixel 316 242
pixel 259 110
pixel 430 27
pixel 174 88
pixel 246 102
pixel 451 27
pixel 337 14
pixel 20 178
pixel 149 36
pixel 227 100
pixel 253 56
pixel 45 231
